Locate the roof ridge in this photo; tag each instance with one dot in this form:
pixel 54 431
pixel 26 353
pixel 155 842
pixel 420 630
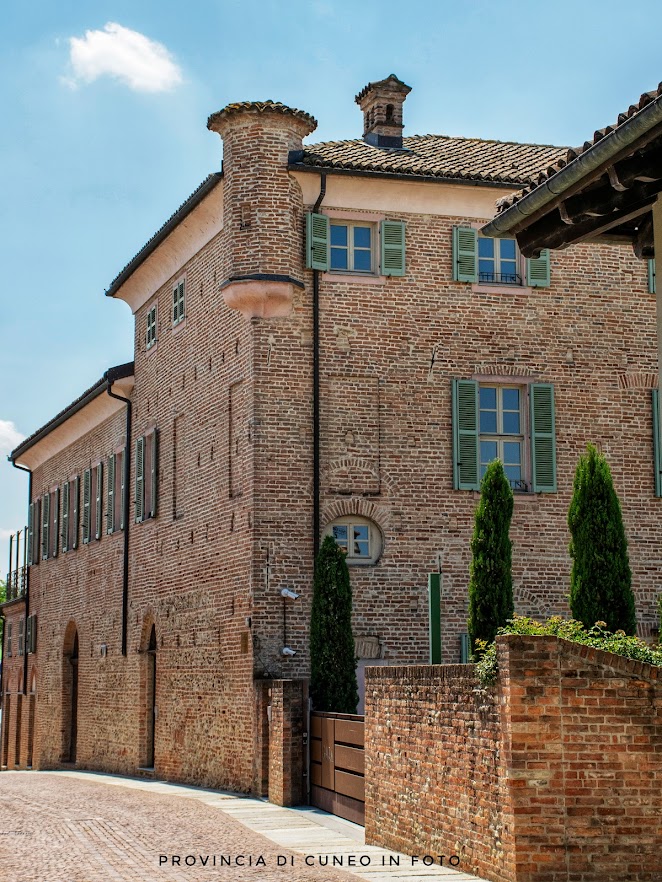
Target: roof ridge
pixel 432 135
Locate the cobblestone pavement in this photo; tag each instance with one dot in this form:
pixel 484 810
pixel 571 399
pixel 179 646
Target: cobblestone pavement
pixel 83 827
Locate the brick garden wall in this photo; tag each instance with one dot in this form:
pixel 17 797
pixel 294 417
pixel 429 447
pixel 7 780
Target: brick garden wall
pixel 553 775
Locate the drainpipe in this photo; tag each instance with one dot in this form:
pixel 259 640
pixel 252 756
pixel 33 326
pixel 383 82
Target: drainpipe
pixel 27 590
pixel 316 389
pixel 126 467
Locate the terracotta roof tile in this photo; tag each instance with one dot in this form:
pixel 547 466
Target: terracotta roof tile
pixel 439 156
pixel 573 152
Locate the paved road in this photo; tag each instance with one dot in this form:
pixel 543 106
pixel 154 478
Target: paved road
pixel 85 827
pixel 55 828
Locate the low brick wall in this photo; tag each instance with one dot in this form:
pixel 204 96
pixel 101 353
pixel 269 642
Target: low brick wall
pixel 286 750
pixel 553 774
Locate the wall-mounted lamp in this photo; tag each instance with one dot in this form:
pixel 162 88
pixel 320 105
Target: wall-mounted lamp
pixel 289 594
pixel 287 651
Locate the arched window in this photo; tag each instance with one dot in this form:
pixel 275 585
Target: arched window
pixel 360 538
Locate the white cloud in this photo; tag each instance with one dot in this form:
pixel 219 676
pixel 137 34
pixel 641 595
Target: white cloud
pixel 10 437
pixel 142 64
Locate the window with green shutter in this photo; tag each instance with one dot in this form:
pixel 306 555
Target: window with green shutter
pixel 481 260
pixel 317 241
pixel 55 521
pixel 491 421
pixel 393 248
pixel 657 442
pixel 178 298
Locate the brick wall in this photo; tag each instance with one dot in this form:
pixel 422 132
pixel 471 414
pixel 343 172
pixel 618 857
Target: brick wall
pixel 286 749
pixel 554 774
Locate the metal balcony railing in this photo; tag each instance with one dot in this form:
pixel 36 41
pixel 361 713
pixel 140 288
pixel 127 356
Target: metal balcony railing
pixel 16 583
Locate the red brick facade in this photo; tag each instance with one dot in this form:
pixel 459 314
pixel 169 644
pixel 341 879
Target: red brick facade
pixel 555 774
pixel 229 390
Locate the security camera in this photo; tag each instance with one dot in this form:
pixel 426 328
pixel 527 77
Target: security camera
pixel 291 595
pixel 287 651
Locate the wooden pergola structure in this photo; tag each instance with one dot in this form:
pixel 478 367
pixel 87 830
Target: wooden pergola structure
pixel 608 190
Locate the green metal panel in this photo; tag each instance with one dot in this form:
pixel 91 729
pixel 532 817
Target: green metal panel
pixel 465 254
pixel 537 270
pixel 543 437
pixel 466 459
pixel 317 241
pixel 393 248
pixel 465 649
pixel 434 605
pixel 651 276
pixel 657 441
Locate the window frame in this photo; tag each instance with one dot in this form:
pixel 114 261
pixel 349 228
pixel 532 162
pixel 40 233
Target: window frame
pixel 519 264
pixel 351 225
pixel 523 437
pixel 375 539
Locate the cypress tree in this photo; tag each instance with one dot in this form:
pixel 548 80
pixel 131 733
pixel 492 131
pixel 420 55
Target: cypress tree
pixel 333 685
pixel 491 583
pixel 601 580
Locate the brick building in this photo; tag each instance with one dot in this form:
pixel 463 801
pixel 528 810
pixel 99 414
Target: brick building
pixel 323 343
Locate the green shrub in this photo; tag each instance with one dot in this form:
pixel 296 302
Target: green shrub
pixel 490 582
pixel 333 685
pixel 569 629
pixel 601 580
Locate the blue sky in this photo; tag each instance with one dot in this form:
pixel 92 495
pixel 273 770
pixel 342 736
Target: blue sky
pixel 104 134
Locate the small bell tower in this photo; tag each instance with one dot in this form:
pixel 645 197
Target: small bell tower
pixel 381 104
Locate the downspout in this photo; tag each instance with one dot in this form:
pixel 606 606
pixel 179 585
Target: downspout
pixel 316 456
pixel 27 590
pixel 126 467
pixel 316 389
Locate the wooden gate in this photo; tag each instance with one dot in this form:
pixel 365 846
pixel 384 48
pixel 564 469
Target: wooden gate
pixel 337 764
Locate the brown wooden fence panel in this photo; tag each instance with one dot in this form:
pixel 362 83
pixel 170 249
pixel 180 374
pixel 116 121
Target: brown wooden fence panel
pixel 337 764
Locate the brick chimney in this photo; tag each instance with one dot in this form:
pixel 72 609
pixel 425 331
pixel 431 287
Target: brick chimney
pixel 381 104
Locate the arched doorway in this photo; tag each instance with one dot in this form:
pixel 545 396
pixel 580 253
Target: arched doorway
pixel 150 700
pixel 70 695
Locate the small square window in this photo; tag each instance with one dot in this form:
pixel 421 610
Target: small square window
pixel 178 303
pixel 150 334
pixel 352 247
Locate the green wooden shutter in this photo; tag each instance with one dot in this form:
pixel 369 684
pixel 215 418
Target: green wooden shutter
pixel 465 254
pixel 651 276
pixel 154 465
pixel 466 460
pixel 317 241
pixel 76 512
pixel 87 494
pixel 45 525
pixel 657 441
pixel 98 507
pixel 30 532
pixel 9 647
pixel 537 270
pixel 122 468
pixel 32 633
pixel 110 495
pixel 393 248
pixel 140 479
pixel 66 496
pixel 543 438
pixel 28 634
pixel 36 526
pixel 56 521
pixel 21 635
